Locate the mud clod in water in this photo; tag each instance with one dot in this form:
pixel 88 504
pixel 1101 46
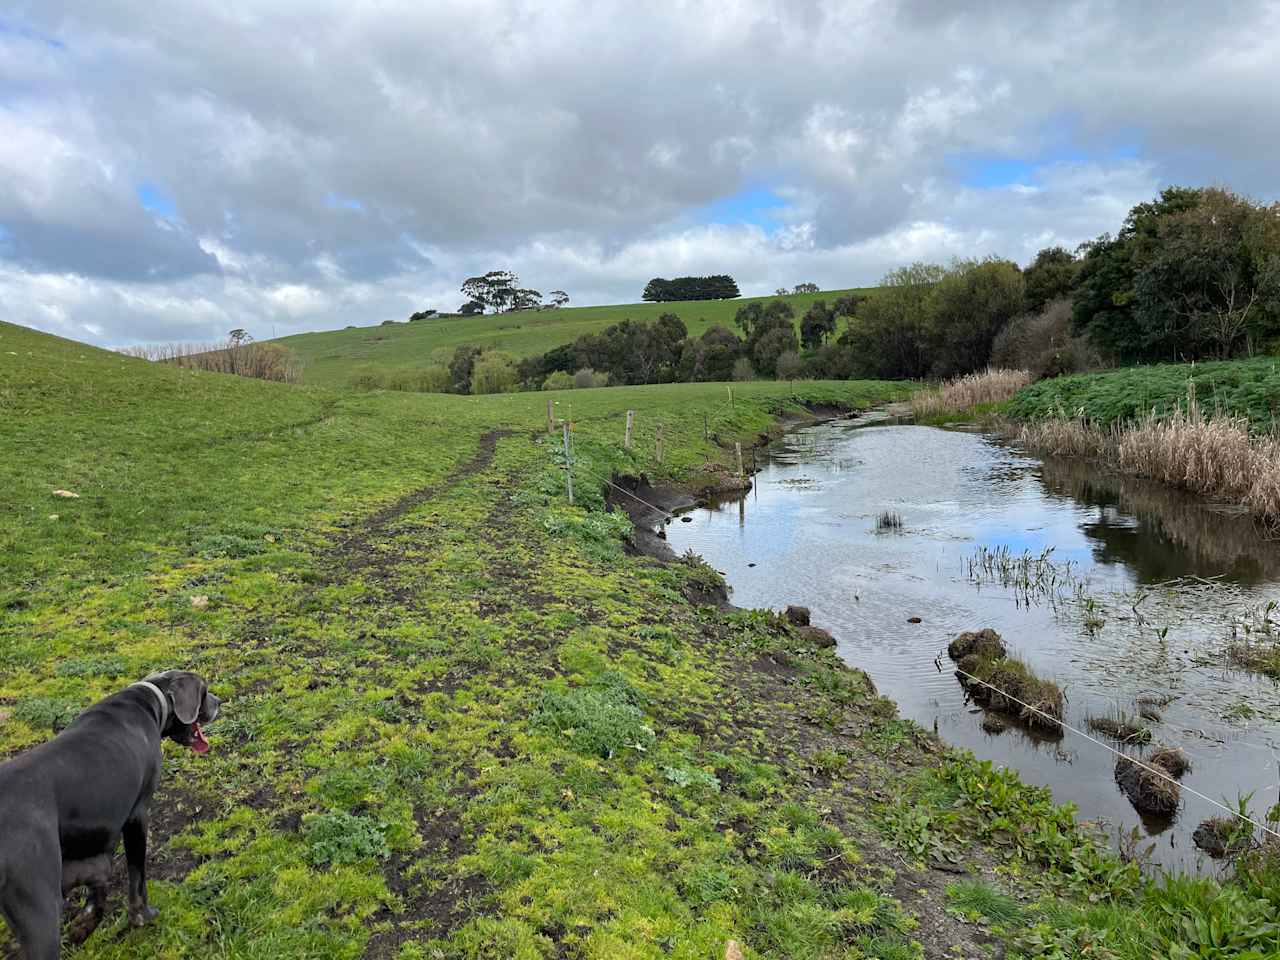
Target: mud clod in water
pixel 1124 729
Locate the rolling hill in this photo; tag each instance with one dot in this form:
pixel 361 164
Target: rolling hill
pixel 335 358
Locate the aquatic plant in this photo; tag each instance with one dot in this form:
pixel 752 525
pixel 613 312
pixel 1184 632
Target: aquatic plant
pixel 889 521
pixel 984 644
pixel 1007 685
pixel 1126 729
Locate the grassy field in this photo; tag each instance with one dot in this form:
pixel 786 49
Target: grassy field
pixel 337 357
pixel 1248 388
pixel 462 721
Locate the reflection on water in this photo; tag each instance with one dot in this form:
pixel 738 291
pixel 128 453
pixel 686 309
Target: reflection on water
pixel 807 534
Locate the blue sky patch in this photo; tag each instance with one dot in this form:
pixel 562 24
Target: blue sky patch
pixel 11 28
pixel 338 202
pixel 758 205
pixel 154 200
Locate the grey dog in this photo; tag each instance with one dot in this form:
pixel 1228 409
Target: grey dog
pixel 65 804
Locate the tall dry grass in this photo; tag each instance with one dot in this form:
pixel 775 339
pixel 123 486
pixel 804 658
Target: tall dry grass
pixel 262 361
pixel 993 385
pixel 1214 456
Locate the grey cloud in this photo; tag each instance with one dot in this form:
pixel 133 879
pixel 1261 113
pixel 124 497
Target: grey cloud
pixel 489 133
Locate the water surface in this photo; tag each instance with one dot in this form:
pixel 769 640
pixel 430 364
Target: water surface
pixel 807 534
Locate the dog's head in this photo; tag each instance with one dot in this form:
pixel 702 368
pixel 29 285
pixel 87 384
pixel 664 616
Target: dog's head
pixel 191 705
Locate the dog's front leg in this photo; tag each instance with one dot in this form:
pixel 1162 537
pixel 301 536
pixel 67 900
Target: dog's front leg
pixel 135 854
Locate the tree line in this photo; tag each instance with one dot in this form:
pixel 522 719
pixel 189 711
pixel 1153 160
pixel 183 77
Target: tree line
pixel 721 286
pixel 1193 274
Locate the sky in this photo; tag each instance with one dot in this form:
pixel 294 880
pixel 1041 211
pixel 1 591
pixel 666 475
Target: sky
pixel 171 171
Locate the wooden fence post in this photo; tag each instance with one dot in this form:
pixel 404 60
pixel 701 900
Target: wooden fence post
pixel 706 428
pixel 730 388
pixel 568 461
pixel 551 415
pixel 626 439
pixel 659 443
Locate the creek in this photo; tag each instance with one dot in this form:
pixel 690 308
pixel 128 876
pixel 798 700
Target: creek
pixel 1143 586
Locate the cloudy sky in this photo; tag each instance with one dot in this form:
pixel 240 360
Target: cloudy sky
pixel 169 171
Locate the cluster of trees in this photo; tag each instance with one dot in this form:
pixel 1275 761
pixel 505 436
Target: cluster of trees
pixel 718 287
pixel 500 292
pixel 1193 274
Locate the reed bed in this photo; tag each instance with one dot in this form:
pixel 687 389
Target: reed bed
pixel 1213 455
pixel 993 385
pixel 261 361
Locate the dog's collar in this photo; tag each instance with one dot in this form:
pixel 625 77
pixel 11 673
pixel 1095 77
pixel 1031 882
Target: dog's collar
pixel 160 698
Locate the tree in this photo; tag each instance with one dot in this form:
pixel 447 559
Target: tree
pixel 781 292
pixel 1212 282
pixel 968 306
pixel 771 339
pixel 494 290
pixel 805 288
pixel 421 315
pixel 847 306
pixel 790 366
pixel 557 299
pixel 461 366
pixel 1049 277
pixel 471 308
pixel 558 380
pixel 888 337
pixel 818 323
pixel 523 298
pixel 239 337
pixel 1104 296
pixel 751 316
pixel 709 357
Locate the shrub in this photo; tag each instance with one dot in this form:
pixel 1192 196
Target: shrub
pixel 742 369
pixel 558 380
pixel 586 378
pixel 790 366
pixel 1044 344
pixel 494 372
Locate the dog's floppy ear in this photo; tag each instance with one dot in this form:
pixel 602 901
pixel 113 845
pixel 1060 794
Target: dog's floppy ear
pixel 186 694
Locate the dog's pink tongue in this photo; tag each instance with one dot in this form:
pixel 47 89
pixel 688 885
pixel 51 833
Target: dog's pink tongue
pixel 198 743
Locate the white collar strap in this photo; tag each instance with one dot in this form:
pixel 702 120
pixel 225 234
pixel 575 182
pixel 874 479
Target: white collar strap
pixel 160 698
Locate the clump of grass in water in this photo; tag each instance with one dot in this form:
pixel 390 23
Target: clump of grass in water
pixel 1126 729
pixel 1006 684
pixel 1151 784
pixel 889 521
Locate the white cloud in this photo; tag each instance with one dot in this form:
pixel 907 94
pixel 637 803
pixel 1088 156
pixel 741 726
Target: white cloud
pixel 577 144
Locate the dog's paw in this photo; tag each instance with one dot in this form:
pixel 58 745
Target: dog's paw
pixel 141 916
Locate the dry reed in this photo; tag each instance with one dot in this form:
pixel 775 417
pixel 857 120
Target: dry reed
pixel 1214 456
pixel 262 361
pixel 992 385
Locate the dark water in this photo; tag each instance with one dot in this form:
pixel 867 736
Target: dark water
pixel 810 529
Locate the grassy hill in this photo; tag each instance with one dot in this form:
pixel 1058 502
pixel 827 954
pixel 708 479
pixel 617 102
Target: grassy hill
pixel 463 722
pixel 337 357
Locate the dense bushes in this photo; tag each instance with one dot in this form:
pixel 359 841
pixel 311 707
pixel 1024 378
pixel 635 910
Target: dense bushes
pixel 241 356
pixel 718 287
pixel 1044 343
pixel 1193 274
